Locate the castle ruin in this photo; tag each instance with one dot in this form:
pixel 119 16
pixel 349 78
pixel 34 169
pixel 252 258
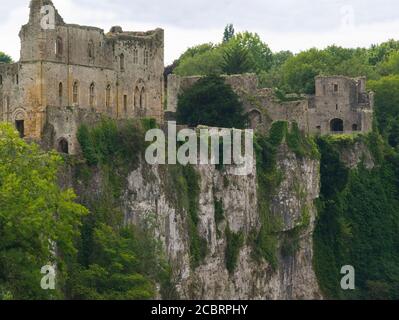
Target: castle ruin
pixel 71 74
pixel 340 104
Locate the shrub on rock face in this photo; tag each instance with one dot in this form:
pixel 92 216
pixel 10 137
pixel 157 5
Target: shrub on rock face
pixel 211 102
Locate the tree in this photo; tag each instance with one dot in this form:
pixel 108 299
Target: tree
pixel 298 72
pixel 212 102
pixel 122 265
pixel 236 60
pixel 279 58
pixel 390 65
pixel 379 53
pixel 200 60
pixel 386 92
pixel 115 260
pixel 37 218
pixel 228 33
pixel 4 58
pixel 259 54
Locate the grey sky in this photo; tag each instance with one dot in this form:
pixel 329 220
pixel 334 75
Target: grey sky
pixel 284 24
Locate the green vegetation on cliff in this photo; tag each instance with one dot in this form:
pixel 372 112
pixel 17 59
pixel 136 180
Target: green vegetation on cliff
pixel 115 260
pixel 358 222
pixel 37 219
pixel 182 186
pixel 234 243
pixel 265 243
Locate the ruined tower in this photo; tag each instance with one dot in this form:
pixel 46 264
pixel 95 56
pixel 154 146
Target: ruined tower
pixel 69 74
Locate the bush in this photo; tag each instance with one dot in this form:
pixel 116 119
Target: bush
pixel 114 143
pixel 234 242
pixel 219 211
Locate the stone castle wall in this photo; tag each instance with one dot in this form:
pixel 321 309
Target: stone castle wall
pixel 340 104
pixel 119 74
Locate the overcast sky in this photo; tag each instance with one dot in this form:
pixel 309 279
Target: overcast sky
pixel 284 24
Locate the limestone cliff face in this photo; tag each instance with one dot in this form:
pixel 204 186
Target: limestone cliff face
pixel 293 278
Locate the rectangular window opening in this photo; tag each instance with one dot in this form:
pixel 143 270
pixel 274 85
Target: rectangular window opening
pixel 20 126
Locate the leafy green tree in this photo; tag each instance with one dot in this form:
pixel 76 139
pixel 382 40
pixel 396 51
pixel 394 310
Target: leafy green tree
pixel 115 260
pixel 236 60
pixel 201 60
pixel 211 59
pixel 390 66
pixel 279 58
pixel 386 101
pixel 37 218
pixel 298 72
pixel 379 53
pixel 212 102
pixel 122 266
pixel 393 135
pixel 197 50
pixel 259 54
pixel 358 222
pixel 228 33
pixel 4 58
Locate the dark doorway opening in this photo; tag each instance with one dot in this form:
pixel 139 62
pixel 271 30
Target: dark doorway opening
pixel 355 127
pixel 20 126
pixel 63 146
pixel 337 125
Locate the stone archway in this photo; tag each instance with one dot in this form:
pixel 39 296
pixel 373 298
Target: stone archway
pixel 63 146
pixel 19 121
pixel 337 125
pixel 255 118
pixel 140 98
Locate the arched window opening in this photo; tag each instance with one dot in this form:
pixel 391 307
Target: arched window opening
pixel 122 62
pixel 142 99
pixel 355 127
pixel 135 56
pixel 91 49
pixel 60 90
pixel 146 57
pixel 1 80
pixel 17 79
pixel 136 98
pixel 255 118
pixel 125 103
pixel 108 96
pixel 337 125
pixel 92 95
pixel 7 103
pixel 63 146
pixel 60 93
pixel 59 47
pixel 75 97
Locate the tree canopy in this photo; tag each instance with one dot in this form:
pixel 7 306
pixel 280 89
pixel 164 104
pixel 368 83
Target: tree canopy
pixel 4 58
pixel 228 33
pixel 37 218
pixel 212 102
